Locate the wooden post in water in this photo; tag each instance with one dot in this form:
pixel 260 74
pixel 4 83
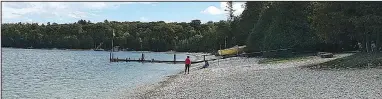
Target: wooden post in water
pixel 204 57
pixel 174 58
pixel 143 57
pixel 112 47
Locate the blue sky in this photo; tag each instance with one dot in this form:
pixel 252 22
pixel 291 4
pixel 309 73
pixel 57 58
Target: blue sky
pixel 69 12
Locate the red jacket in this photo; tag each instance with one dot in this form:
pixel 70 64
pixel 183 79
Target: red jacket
pixel 188 61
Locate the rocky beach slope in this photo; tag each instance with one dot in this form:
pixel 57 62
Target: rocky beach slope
pixel 246 78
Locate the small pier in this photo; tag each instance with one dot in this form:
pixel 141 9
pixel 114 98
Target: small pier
pixel 156 61
pixel 143 60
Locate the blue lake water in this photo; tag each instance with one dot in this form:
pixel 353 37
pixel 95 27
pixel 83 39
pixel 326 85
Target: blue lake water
pixel 64 74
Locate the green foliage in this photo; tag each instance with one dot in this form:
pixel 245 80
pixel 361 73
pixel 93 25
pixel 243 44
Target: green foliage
pixel 248 19
pixel 313 26
pixel 263 26
pixel 155 36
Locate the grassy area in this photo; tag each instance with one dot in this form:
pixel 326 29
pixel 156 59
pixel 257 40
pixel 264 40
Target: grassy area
pixel 283 59
pixel 358 60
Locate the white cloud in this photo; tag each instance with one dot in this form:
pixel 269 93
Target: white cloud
pixel 12 15
pixel 78 14
pixel 223 5
pixel 212 10
pixel 143 19
pixel 39 9
pixel 96 5
pixel 239 8
pixel 57 10
pixel 17 11
pixel 169 21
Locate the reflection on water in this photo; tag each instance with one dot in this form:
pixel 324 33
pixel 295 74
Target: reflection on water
pixel 33 73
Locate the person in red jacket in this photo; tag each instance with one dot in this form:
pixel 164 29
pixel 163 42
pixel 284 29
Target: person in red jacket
pixel 188 63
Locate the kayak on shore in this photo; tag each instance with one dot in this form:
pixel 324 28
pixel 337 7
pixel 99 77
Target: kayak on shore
pixel 231 51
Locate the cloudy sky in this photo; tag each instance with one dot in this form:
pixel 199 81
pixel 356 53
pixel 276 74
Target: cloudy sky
pixel 69 12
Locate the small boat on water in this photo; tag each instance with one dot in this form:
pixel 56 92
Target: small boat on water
pixel 231 51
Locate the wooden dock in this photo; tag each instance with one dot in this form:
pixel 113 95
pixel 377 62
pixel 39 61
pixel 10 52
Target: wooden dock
pixel 174 61
pixel 142 60
pixel 156 61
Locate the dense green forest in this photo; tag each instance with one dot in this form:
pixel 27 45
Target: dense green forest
pixel 315 26
pixel 154 36
pixel 303 26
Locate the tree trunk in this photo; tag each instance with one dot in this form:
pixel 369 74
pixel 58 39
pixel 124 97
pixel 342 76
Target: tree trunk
pixel 377 44
pixel 368 45
pixel 364 49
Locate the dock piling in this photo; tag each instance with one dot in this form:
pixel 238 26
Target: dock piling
pixel 174 58
pixel 110 57
pixel 143 57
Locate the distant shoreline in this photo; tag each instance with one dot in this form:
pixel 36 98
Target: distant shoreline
pixel 105 50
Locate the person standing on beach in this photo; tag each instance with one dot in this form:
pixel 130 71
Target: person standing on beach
pixel 187 64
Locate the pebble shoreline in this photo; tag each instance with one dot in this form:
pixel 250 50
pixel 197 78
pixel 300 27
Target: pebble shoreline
pixel 245 78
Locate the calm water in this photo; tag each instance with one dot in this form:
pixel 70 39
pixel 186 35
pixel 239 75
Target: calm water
pixel 40 74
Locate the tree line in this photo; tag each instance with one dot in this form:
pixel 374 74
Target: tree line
pixel 313 26
pixel 152 36
pixel 263 25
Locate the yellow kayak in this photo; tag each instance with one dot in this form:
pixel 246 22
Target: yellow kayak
pixel 232 51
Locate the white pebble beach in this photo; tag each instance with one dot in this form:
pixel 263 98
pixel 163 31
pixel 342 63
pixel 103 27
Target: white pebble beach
pixel 245 78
